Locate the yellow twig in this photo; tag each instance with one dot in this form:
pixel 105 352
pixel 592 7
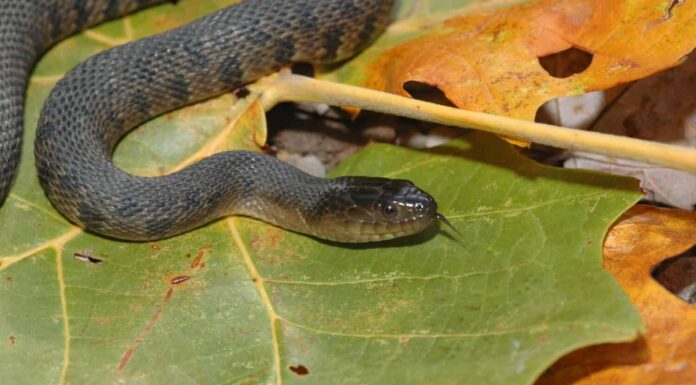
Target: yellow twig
pixel 289 87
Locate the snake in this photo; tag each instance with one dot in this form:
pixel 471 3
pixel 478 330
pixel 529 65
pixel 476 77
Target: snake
pixel 103 98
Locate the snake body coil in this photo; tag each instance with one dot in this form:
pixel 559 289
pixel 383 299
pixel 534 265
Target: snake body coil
pixel 103 98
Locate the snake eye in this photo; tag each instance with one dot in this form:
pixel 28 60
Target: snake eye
pixel 419 207
pixel 389 209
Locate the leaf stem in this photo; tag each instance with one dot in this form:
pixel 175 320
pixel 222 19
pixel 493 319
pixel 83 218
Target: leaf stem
pixel 290 87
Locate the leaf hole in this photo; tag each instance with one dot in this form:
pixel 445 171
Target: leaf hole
pixel 300 370
pixel 87 257
pixel 566 63
pixel 304 69
pixel 179 279
pixel 678 275
pixel 242 93
pixel 427 93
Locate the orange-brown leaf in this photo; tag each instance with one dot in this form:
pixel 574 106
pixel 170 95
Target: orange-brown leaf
pixel 489 61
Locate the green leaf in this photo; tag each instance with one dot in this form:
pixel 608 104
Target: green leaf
pixel 242 301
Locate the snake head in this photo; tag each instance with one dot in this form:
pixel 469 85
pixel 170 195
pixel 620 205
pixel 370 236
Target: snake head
pixel 363 209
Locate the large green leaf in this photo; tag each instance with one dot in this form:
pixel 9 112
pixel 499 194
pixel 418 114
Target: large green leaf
pixel 241 301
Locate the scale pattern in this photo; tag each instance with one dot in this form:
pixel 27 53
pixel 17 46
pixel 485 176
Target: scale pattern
pixel 27 29
pixel 106 96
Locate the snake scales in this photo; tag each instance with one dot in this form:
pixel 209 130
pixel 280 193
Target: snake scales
pixel 106 96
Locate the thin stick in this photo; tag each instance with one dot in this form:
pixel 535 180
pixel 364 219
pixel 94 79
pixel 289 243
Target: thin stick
pixel 289 87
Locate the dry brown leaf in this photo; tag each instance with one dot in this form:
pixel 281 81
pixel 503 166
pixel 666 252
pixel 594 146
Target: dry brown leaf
pixel 489 62
pixel 666 354
pixel 661 107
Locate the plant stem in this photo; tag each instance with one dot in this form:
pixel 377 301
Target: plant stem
pixel 289 87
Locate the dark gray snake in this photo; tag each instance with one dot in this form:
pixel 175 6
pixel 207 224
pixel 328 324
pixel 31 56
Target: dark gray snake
pixel 103 98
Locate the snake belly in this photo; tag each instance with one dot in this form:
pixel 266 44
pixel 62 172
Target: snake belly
pixel 106 96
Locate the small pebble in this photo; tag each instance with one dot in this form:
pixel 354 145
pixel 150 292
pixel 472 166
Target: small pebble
pixel 440 135
pixel 380 133
pixel 307 163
